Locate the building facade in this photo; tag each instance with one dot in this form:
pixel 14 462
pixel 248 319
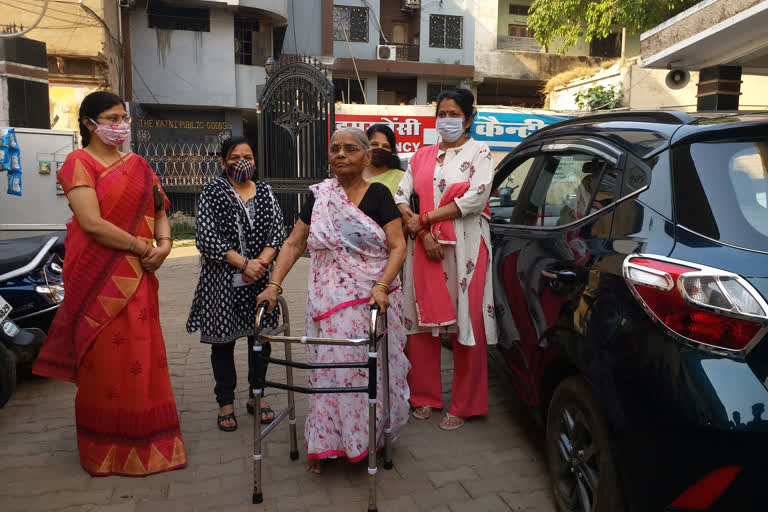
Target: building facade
pixel 387 52
pixel 194 72
pixel 511 68
pixel 83 46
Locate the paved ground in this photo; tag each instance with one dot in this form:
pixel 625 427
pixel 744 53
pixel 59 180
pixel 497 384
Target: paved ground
pixel 491 464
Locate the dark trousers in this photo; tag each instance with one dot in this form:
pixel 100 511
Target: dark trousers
pixel 223 363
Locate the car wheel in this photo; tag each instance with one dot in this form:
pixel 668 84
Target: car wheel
pixel 580 452
pixel 7 375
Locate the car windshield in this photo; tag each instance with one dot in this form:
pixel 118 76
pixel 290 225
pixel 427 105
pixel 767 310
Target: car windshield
pixel 722 191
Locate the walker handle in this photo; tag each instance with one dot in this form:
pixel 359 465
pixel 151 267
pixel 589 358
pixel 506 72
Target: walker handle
pixel 260 310
pixel 375 315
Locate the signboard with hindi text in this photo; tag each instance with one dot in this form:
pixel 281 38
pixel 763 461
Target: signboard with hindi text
pixel 502 128
pixel 411 132
pixel 505 131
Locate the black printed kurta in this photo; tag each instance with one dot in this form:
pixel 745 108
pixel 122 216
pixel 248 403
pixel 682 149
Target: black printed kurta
pixel 220 311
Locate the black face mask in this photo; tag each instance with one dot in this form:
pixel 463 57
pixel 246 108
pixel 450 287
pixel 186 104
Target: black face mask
pixel 380 157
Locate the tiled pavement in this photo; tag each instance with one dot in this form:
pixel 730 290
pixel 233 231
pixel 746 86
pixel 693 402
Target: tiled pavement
pixel 494 463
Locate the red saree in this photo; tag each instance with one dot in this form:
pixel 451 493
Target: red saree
pixel 106 336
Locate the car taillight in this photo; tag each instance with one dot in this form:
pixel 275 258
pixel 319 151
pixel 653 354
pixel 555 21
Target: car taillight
pixel 704 305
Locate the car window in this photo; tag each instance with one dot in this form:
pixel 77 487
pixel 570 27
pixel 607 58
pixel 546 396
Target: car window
pixel 504 198
pixel 568 187
pixel 721 190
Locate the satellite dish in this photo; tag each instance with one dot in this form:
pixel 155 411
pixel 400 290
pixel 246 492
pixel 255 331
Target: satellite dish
pixel 677 78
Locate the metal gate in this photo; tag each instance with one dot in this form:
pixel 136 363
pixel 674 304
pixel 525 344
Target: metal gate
pixel 296 116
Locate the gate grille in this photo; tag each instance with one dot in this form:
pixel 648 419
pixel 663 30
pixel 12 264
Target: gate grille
pixel 296 115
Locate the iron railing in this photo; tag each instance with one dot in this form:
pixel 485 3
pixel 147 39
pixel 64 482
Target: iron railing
pixel 404 51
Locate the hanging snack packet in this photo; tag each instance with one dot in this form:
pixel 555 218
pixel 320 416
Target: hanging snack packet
pixel 5 137
pixel 12 139
pixel 14 183
pixel 15 155
pixel 5 159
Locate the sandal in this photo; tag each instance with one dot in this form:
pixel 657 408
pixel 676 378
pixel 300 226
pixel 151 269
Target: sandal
pixel 250 406
pixel 451 422
pixel 221 419
pixel 422 412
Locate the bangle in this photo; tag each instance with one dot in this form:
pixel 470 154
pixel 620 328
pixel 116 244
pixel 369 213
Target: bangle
pixel 133 245
pixel 263 262
pixel 164 238
pixel 276 285
pixel 245 265
pixel 382 285
pixel 424 220
pixel 424 232
pixel 146 251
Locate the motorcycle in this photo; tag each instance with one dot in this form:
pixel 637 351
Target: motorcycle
pixel 31 290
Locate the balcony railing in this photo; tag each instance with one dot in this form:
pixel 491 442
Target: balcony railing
pixel 404 51
pixel 518 44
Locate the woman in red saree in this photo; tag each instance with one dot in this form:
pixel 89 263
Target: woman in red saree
pixel 106 336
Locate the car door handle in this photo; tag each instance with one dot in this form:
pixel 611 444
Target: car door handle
pixel 559 275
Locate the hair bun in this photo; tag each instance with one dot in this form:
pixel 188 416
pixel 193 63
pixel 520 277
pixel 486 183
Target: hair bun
pixel 466 93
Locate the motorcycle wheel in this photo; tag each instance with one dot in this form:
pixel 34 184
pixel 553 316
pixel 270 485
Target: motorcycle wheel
pixel 7 375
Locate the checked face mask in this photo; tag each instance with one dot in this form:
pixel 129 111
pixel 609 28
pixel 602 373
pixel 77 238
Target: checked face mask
pixel 240 171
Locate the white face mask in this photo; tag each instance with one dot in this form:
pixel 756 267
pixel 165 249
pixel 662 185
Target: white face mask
pixel 450 128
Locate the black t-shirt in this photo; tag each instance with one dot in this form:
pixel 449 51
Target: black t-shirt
pixel 377 203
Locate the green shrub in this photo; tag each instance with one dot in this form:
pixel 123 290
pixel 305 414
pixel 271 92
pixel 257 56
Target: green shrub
pixel 599 97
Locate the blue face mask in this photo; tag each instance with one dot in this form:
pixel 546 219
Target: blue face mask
pixel 450 128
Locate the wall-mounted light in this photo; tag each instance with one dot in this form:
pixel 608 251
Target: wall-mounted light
pixel 269 66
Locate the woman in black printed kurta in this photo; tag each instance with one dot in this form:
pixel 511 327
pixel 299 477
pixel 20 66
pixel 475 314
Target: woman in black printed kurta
pixel 239 231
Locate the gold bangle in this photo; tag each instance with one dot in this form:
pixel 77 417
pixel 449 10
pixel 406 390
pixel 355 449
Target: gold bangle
pixel 276 285
pixel 381 285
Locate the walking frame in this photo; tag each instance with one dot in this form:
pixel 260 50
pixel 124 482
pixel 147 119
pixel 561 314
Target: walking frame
pixel 377 320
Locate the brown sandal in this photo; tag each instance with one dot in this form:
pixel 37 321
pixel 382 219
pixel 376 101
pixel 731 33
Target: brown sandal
pixel 422 412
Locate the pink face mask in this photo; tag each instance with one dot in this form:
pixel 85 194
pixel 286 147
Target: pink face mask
pixel 112 135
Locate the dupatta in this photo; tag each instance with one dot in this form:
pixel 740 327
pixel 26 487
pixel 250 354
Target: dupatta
pixel 349 253
pixel 99 281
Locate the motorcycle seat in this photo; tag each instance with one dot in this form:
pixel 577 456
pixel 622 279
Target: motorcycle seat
pixel 17 252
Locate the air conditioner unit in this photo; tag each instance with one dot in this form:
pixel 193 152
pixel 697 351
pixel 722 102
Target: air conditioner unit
pixel 127 4
pixel 386 52
pixel 411 4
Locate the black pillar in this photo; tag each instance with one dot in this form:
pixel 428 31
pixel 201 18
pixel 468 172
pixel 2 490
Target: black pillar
pixel 719 88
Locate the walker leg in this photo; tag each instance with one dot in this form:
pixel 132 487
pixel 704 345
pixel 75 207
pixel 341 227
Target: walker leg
pixel 291 406
pixel 387 415
pixel 258 497
pixel 372 469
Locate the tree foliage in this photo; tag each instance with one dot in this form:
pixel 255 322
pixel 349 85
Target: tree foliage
pixel 566 21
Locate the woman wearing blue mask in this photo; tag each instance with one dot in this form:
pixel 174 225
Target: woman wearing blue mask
pixel 239 231
pixel 449 293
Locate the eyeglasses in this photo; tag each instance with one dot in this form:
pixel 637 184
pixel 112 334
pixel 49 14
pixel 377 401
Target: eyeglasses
pixel 115 119
pixel 349 149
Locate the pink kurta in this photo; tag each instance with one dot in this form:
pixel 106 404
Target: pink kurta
pixel 348 254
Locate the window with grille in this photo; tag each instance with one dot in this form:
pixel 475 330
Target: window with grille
pixel 348 90
pixel 350 23
pixel 251 42
pixel 178 18
pixel 445 31
pixel 518 10
pixel 520 31
pixel 434 90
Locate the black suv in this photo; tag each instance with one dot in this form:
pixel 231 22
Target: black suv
pixel 630 260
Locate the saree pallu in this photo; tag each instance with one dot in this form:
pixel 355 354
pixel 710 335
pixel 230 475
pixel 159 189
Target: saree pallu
pixel 348 254
pixel 106 336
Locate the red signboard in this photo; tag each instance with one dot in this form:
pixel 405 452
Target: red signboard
pixel 411 132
